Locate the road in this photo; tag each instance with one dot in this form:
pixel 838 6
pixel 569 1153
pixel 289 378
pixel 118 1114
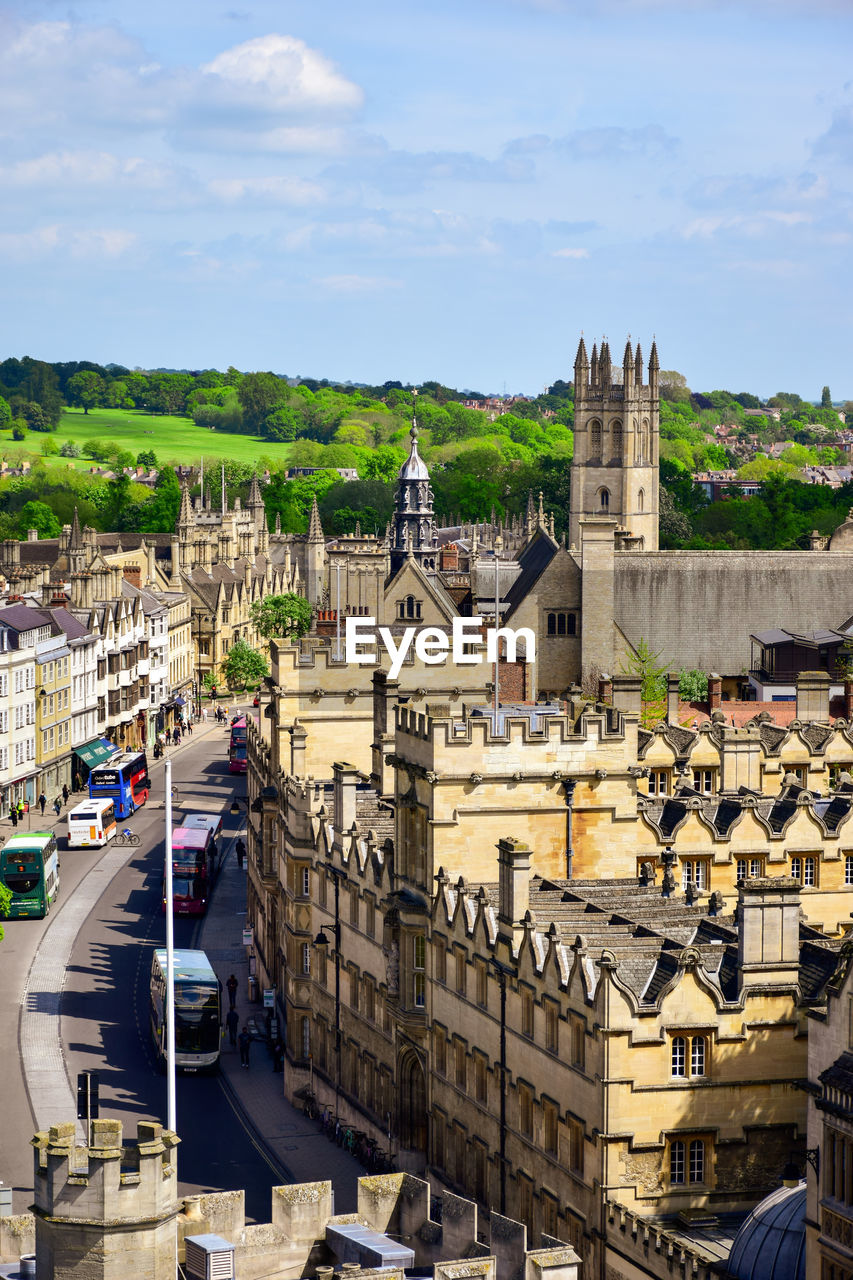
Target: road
pixel 104 1020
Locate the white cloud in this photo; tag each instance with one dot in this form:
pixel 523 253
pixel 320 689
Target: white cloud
pixel 82 243
pixel 570 253
pixel 358 284
pixel 268 191
pixel 281 73
pixel 750 224
pixel 86 169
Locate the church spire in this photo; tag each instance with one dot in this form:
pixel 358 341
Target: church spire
pixel 76 533
pixel 255 498
pixel 185 515
pixel 315 529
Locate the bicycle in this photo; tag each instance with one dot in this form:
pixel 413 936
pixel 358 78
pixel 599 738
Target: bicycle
pixel 126 837
pixel 309 1107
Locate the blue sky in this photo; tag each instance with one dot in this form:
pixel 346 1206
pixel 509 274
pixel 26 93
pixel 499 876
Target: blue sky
pixel 415 190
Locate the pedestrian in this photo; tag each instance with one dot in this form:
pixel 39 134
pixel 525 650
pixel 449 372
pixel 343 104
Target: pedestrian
pixel 13 813
pixel 204 714
pixel 278 1056
pixel 190 727
pixel 176 736
pixel 77 783
pixel 240 850
pixel 245 1042
pixel 42 802
pixel 57 806
pixel 231 985
pixel 65 793
pixel 21 811
pixel 232 1022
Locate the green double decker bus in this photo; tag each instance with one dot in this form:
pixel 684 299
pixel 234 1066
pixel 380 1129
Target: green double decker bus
pixel 29 868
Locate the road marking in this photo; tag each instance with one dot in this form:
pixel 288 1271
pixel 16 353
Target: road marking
pixel 52 1100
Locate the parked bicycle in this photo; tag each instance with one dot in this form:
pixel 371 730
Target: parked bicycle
pixel 309 1106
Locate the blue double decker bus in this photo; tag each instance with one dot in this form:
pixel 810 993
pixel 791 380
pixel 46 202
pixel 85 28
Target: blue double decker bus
pixel 124 780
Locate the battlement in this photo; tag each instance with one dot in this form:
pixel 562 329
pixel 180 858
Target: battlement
pixel 108 1179
pixel 522 727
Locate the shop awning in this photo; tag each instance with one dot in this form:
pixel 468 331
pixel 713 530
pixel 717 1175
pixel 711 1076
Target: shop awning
pixel 95 752
pixel 179 702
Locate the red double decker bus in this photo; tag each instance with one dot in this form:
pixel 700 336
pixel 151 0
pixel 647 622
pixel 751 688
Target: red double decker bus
pixel 194 866
pixel 237 747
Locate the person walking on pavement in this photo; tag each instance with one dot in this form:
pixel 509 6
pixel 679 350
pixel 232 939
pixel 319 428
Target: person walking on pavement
pixel 245 1042
pixel 21 811
pixel 232 1022
pixel 240 850
pixel 65 793
pixel 231 985
pixel 13 814
pixel 278 1056
pixel 42 802
pixel 57 806
pixel 190 727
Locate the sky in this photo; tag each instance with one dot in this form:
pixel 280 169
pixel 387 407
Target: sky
pixel 448 189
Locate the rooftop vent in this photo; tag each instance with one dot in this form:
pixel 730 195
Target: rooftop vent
pixel 209 1257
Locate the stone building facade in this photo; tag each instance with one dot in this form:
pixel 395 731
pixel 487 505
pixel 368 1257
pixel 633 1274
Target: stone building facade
pixel 540 1001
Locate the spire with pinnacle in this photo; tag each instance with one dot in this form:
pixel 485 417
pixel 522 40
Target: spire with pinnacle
pixel 255 499
pixel 185 515
pixel 315 529
pixel 413 523
pixel 76 532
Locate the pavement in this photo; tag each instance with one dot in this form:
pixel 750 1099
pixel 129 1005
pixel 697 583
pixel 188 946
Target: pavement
pixel 292 1145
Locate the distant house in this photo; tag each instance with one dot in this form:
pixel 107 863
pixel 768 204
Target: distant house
pixel 346 473
pixel 779 656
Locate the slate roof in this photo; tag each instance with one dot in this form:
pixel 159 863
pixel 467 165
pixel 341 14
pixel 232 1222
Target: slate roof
pixel 533 561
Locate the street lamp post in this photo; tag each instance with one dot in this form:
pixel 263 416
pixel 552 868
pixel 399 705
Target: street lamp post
pixel 171 1119
pixel 321 940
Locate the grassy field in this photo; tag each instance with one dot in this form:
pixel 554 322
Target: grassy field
pixel 172 439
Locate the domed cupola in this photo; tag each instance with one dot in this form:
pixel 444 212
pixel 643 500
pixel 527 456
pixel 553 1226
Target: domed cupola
pixel 771 1244
pixel 413 523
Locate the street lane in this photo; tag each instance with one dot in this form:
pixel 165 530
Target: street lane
pixel 104 1004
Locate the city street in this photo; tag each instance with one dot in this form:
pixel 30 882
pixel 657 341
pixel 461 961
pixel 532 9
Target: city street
pixel 104 1003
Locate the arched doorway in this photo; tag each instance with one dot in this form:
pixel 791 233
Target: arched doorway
pixel 412 1102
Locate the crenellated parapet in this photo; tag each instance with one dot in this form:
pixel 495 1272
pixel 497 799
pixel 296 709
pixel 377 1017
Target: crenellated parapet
pixel 108 1208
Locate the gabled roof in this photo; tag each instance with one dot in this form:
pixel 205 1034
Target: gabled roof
pixel 534 560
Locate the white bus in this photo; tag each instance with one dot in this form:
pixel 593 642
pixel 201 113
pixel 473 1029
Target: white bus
pixel 91 823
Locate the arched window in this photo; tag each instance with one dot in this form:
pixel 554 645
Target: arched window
pixel 595 440
pixel 604 501
pixel 644 441
pixel 561 624
pixel 641 501
pixel 552 631
pixel 616 437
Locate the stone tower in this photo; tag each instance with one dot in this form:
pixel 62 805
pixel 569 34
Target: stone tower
pixel 109 1209
pixel 617 433
pixel 413 522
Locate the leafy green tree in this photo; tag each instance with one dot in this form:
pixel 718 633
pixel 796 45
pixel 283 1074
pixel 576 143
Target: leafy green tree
pixel 673 385
pixel 693 685
pixel 19 429
pixel 86 389
pixel 259 394
pixel 35 416
pixel 244 666
pixel 647 665
pixel 825 399
pixel 69 450
pixel 5 904
pixel 383 463
pixel 5 414
pixel 287 615
pixel 38 515
pixel 674 527
pixel 146 458
pixel 41 385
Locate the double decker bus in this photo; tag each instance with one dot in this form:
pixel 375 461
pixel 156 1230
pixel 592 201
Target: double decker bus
pixel 194 868
pixel 237 747
pixel 198 1003
pixel 29 867
pixel 91 824
pixel 124 780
